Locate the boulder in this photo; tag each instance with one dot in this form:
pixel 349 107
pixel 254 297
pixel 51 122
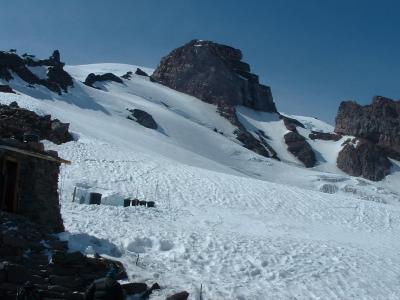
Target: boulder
pixel 154 287
pixel 364 159
pixel 298 146
pixel 143 118
pixel 92 78
pixel 215 74
pixel 179 296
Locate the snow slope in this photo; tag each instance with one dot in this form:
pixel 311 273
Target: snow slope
pixel 243 226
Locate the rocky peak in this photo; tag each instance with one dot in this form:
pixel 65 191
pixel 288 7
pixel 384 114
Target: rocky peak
pixel 215 74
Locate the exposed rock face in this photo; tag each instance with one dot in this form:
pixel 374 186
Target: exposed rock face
pixel 143 118
pixel 4 88
pixel 378 123
pixel 326 136
pixel 215 74
pixel 259 146
pixel 15 121
pixel 291 123
pixel 364 159
pixel 298 146
pixel 58 79
pixel 92 78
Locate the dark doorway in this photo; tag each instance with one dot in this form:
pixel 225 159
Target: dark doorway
pixel 9 186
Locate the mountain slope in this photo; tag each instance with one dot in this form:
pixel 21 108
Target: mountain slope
pixel 244 226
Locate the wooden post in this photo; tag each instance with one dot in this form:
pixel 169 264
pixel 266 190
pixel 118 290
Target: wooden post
pixel 73 195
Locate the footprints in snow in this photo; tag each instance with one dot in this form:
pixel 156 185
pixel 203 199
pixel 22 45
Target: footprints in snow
pixel 144 245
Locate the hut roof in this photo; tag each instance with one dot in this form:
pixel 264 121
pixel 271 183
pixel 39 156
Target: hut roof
pixel 35 154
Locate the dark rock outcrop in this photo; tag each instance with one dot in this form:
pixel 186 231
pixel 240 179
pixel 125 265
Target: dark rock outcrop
pixel 140 72
pixel 364 159
pixel 326 136
pixel 259 146
pixel 215 74
pixel 54 60
pixel 4 88
pixel 378 123
pixel 298 146
pixel 291 123
pixel 58 79
pixel 92 78
pixel 249 141
pixel 16 121
pixel 127 75
pixel 143 118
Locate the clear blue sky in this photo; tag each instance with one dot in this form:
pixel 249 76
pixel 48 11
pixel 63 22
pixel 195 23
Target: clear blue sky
pixel 313 53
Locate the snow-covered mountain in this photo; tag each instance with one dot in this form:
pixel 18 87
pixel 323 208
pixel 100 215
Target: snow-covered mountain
pixel 243 225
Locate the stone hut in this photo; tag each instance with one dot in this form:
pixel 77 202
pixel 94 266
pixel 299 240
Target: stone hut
pixel 29 183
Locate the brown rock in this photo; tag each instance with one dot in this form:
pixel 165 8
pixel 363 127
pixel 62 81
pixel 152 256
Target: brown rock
pixel 179 296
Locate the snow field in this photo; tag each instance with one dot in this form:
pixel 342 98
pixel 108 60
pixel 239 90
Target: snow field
pixel 244 226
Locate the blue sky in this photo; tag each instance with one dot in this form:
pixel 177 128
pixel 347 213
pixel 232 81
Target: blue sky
pixel 313 54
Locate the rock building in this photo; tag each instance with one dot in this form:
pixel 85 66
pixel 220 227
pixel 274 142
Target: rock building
pixel 29 183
